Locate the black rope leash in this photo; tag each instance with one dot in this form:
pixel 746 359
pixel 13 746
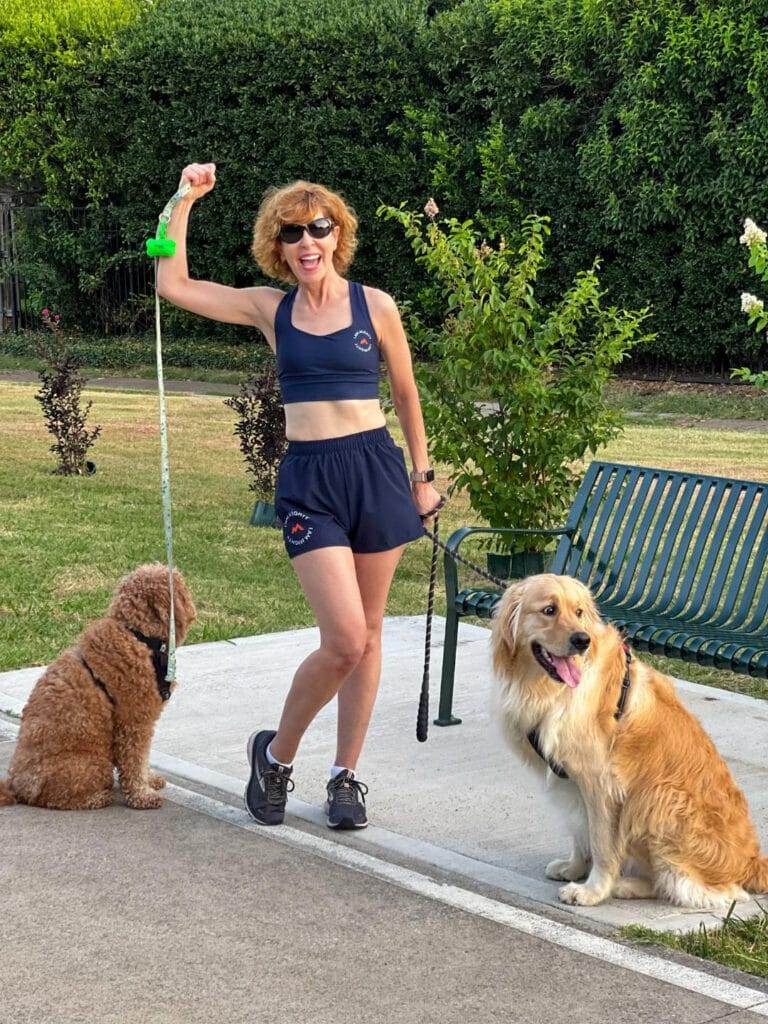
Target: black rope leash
pixel 422 718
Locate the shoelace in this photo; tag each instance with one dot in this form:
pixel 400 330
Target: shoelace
pixel 348 791
pixel 277 785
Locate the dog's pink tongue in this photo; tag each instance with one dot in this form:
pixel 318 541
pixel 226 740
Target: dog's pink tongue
pixel 568 670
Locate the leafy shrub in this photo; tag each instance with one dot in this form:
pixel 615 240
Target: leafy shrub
pixel 261 428
pixel 59 396
pixel 513 398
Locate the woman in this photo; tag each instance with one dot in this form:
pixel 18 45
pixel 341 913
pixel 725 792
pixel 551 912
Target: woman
pixel 342 488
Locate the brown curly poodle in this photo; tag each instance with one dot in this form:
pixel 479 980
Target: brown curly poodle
pixel 95 706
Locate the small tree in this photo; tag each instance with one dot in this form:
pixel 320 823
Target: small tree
pixel 513 394
pixel 755 239
pixel 261 429
pixel 59 396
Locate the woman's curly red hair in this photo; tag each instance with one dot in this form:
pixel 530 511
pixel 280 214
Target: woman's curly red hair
pixel 297 203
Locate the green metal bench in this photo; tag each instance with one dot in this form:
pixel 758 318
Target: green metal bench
pixel 676 560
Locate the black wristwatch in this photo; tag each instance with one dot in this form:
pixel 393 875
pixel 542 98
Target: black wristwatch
pixel 422 476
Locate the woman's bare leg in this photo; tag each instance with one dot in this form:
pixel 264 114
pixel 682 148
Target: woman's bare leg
pixel 358 692
pixel 328 578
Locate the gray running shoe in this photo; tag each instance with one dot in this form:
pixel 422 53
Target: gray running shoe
pixel 269 785
pixel 345 806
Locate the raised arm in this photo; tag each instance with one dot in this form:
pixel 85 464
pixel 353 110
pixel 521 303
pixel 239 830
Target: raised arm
pixel 251 306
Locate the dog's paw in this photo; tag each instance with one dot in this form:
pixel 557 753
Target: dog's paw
pixel 580 895
pixel 156 781
pixel 144 801
pixel 566 870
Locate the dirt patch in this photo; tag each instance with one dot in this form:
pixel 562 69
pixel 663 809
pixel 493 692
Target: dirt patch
pixel 671 387
pixel 81 579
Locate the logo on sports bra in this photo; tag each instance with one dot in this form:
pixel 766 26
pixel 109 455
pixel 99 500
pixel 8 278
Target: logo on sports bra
pixel 297 532
pixel 363 341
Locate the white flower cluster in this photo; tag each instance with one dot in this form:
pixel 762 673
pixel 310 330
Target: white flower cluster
pixel 431 209
pixel 750 302
pixel 752 233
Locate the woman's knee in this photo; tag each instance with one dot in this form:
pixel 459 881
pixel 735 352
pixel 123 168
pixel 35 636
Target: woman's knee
pixel 345 649
pixel 372 639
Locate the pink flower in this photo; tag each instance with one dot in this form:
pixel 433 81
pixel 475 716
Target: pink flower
pixel 46 312
pixel 56 317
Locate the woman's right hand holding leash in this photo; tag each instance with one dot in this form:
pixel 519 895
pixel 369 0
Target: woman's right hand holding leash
pixel 202 178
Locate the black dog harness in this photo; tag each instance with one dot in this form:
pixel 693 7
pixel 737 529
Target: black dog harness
pixel 159 650
pixel 533 735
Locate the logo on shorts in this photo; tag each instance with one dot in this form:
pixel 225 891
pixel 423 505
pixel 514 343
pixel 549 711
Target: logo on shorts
pixel 297 528
pixel 363 341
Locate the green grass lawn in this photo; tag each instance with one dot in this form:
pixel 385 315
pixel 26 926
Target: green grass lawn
pixel 700 401
pixel 742 944
pixel 66 541
pixel 651 398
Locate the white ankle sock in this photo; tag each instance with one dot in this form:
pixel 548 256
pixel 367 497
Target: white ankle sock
pixel 336 770
pixel 273 760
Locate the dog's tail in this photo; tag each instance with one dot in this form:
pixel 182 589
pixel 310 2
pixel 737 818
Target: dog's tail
pixel 757 879
pixel 6 795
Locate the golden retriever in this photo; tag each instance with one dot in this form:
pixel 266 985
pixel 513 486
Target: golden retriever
pixel 644 781
pixel 96 705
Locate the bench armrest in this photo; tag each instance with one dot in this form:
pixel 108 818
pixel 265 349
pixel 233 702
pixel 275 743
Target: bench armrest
pixel 458 536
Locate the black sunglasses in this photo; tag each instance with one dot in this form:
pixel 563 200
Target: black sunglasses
pixel 318 228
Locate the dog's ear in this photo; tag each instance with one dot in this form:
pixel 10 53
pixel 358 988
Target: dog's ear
pixel 184 610
pixel 506 618
pixel 592 619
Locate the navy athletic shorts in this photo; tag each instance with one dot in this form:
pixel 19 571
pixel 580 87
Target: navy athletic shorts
pixel 350 491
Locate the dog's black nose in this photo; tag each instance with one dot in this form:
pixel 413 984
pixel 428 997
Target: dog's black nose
pixel 580 641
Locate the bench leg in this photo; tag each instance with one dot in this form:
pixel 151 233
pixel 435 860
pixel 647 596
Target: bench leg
pixel 444 714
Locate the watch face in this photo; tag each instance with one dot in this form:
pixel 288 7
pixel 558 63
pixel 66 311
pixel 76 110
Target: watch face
pixel 430 475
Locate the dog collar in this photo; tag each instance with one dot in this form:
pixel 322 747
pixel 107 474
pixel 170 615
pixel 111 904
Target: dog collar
pixel 625 684
pixel 158 648
pixel 533 739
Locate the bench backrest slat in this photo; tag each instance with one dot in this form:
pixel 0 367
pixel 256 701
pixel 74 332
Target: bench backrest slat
pixel 634 538
pixel 744 535
pixel 713 579
pixel 678 545
pixel 748 585
pixel 686 537
pixel 610 517
pixel 713 508
pixel 664 500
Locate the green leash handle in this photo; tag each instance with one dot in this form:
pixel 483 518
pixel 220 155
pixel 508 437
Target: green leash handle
pixel 160 245
pixel 157 247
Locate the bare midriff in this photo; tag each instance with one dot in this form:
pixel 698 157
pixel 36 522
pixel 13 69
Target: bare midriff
pixel 316 421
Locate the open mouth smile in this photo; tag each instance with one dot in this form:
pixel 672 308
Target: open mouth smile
pixel 562 670
pixel 309 262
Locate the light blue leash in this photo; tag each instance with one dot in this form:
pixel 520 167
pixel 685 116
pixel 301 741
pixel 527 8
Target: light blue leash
pixel 157 247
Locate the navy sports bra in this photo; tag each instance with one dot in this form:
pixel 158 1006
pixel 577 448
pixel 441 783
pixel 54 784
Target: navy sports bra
pixel 324 367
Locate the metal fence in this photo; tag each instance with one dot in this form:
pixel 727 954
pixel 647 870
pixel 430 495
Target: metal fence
pixel 88 264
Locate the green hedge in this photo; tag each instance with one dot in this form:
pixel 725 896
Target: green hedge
pixel 638 126
pixel 127 352
pixel 270 92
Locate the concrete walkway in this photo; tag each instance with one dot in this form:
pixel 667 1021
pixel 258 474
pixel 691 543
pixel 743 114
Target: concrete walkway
pixel 195 915
pixel 459 802
pixel 115 383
